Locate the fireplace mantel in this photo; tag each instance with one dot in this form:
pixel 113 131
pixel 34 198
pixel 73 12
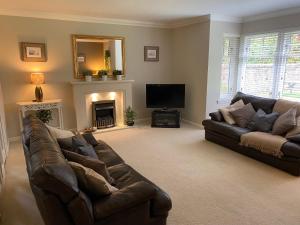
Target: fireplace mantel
pixel 83 93
pixel 101 82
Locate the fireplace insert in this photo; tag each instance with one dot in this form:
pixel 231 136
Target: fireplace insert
pixel 104 114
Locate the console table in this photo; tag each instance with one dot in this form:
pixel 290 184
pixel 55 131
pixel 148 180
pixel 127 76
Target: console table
pixel 54 105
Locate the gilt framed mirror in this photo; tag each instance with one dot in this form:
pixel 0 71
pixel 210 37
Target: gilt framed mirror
pixel 97 54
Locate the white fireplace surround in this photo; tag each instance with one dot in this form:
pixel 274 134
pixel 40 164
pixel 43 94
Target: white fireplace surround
pixel 85 93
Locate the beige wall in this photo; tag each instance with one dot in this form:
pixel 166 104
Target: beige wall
pixel 14 74
pixel 217 32
pixel 271 24
pixel 190 61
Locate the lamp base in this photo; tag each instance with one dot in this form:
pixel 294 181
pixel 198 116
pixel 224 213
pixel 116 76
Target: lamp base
pixel 38 94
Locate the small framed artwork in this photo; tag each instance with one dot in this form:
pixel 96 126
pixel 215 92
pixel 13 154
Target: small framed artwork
pixel 151 53
pixel 33 52
pixel 81 58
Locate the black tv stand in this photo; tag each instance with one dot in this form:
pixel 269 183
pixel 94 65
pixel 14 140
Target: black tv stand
pixel 166 118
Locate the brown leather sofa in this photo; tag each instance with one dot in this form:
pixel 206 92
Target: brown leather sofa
pixel 61 202
pixel 222 133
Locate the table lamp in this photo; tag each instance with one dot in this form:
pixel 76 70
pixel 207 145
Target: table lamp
pixel 38 79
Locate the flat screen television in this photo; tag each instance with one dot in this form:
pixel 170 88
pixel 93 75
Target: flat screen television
pixel 165 95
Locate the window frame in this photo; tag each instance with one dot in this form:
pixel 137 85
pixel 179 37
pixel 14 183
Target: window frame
pixel 233 67
pixel 280 62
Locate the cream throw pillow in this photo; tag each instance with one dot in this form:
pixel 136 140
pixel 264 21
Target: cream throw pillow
pixel 295 130
pixel 59 133
pixel 91 182
pixel 226 111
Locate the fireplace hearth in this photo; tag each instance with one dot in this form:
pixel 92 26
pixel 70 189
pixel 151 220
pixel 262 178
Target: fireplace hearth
pixel 104 114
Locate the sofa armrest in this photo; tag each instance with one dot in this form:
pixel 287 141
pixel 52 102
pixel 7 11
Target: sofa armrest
pixel 216 116
pixel 123 199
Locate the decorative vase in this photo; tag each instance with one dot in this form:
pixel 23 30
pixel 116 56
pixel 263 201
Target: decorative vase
pixel 39 94
pixel 88 78
pixel 119 77
pixel 104 77
pixel 130 123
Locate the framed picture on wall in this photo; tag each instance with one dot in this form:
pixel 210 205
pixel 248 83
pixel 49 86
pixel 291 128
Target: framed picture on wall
pixel 33 52
pixel 151 53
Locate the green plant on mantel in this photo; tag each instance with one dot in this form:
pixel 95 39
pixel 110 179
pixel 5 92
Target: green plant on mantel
pixel 117 72
pixel 44 115
pixel 102 73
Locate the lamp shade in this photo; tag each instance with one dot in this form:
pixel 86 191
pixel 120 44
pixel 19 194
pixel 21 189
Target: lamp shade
pixel 37 78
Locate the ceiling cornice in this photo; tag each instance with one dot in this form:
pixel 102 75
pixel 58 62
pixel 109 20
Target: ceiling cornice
pixel 222 18
pixel 189 21
pixel 270 15
pixel 87 19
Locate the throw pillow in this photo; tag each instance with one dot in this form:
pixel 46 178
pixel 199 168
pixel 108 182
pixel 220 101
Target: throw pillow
pixel 285 122
pixel 94 164
pixel 296 129
pixel 80 146
pixel 89 137
pixel 262 122
pixel 65 143
pixel 59 133
pixel 91 182
pixel 243 115
pixel 295 138
pixel 226 111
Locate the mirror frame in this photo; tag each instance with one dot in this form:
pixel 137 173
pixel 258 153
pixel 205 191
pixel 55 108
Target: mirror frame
pixel 94 37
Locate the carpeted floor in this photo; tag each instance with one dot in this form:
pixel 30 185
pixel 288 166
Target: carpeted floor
pixel 208 184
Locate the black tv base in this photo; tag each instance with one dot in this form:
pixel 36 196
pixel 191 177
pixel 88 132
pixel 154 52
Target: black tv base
pixel 166 118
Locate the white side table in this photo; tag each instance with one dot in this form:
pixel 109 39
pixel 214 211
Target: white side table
pixel 54 105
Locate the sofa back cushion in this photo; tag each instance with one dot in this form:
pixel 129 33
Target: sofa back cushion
pixel 49 169
pixel 282 106
pixel 266 104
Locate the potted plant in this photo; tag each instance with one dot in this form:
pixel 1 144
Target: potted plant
pixel 103 74
pixel 88 75
pixel 118 74
pixel 44 115
pixel 130 116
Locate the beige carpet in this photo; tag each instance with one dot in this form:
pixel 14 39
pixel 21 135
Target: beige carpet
pixel 207 183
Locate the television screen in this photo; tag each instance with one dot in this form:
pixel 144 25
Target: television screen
pixel 165 95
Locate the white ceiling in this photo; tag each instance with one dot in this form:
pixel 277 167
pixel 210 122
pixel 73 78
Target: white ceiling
pixel 151 11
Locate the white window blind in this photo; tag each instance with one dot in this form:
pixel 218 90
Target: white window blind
pixel 229 68
pixel 270 65
pixel 289 84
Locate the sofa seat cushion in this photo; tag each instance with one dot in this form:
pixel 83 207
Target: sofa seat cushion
pixel 225 129
pixel 125 176
pixel 291 149
pixel 135 195
pixel 108 156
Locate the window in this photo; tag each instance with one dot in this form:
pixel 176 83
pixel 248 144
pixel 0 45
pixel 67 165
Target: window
pixel 270 65
pixel 229 67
